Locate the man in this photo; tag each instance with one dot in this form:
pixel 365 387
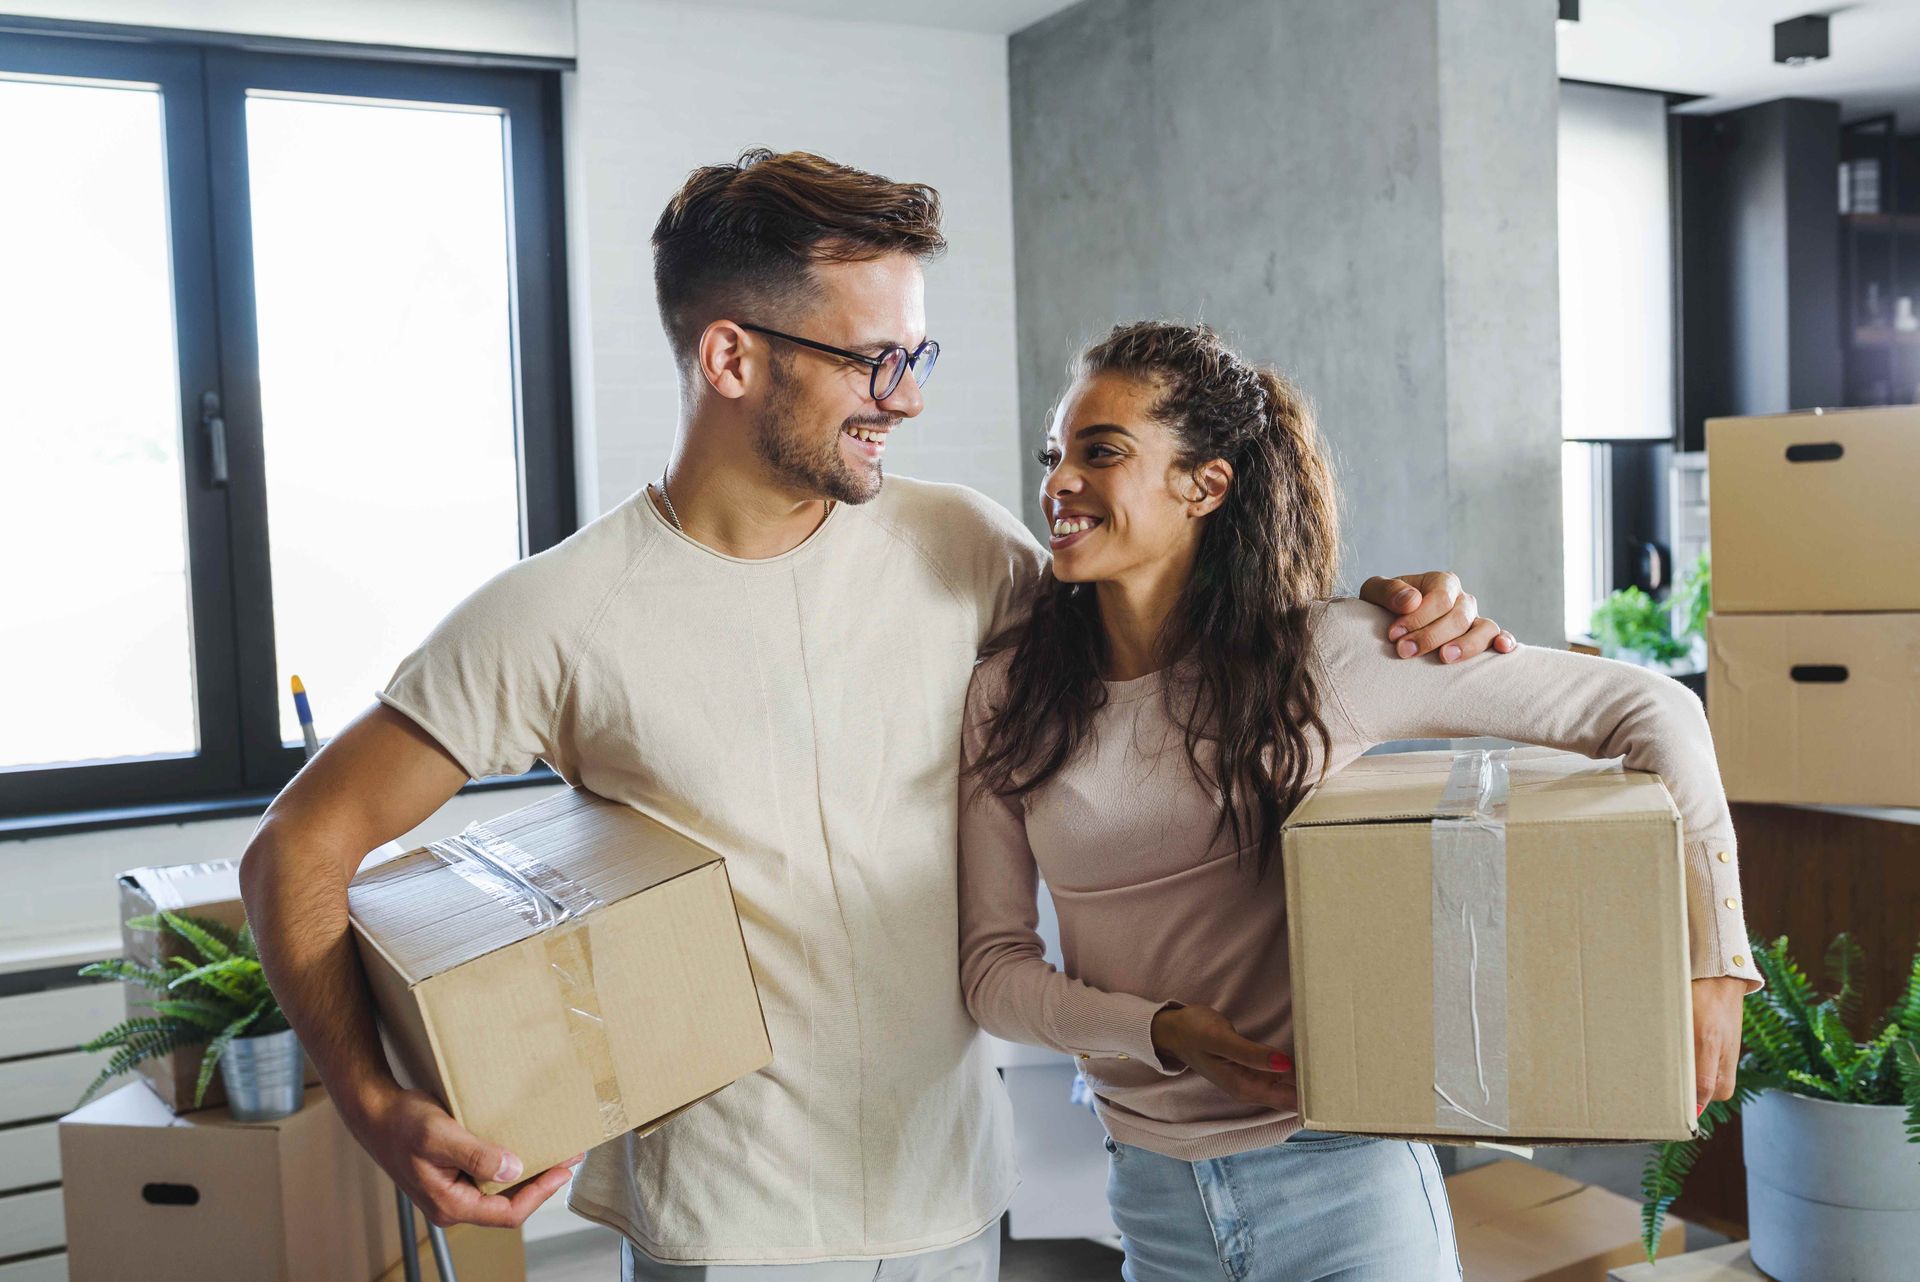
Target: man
pixel 770 651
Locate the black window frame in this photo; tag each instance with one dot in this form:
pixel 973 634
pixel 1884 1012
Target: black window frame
pixel 204 84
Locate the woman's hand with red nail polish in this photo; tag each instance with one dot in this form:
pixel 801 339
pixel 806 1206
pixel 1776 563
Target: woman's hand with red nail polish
pixel 1206 1041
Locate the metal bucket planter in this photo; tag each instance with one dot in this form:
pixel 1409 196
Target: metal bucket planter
pixel 1833 1190
pixel 265 1076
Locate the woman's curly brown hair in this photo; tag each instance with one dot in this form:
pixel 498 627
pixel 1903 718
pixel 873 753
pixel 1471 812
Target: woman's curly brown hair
pixel 1240 628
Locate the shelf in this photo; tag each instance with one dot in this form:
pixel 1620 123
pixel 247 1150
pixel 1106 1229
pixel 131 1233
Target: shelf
pixel 1882 222
pixel 1885 336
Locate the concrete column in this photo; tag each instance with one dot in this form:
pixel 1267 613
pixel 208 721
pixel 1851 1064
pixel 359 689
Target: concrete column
pixel 1360 193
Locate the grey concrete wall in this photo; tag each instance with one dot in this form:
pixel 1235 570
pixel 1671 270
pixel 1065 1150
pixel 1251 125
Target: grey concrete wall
pixel 1361 193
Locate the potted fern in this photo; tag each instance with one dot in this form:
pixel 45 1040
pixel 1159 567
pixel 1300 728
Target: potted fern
pixel 1833 1183
pixel 217 998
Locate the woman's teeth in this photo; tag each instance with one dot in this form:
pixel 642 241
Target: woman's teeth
pixel 1072 525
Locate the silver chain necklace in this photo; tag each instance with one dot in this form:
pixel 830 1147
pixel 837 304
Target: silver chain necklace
pixel 671 514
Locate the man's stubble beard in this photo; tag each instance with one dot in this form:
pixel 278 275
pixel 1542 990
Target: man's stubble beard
pixel 818 468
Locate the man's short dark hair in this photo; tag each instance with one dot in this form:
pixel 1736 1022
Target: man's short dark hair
pixel 740 240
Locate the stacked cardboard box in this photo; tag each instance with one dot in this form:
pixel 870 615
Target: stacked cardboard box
pixel 1813 672
pixel 155 1188
pixel 161 1196
pixel 208 890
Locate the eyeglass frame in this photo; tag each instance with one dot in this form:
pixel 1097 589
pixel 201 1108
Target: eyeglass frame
pixel 874 364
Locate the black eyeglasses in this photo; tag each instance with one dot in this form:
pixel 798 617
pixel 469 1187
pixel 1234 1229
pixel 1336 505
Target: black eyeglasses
pixel 888 368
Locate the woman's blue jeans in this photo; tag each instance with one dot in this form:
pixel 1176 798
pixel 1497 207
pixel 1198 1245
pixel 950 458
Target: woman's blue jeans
pixel 1318 1208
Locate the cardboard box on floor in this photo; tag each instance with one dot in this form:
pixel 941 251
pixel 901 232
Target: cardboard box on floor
pixel 479 1255
pixel 560 975
pixel 1479 961
pixel 1816 707
pixel 210 890
pixel 1729 1263
pixel 1519 1223
pixel 183 1198
pixel 1815 512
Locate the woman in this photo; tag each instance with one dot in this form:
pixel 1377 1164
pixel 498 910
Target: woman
pixel 1179 687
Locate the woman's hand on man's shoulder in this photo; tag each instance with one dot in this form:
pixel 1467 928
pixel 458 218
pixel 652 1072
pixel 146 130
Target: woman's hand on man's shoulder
pixel 1433 614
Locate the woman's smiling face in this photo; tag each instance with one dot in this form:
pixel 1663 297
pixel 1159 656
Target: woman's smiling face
pixel 1114 495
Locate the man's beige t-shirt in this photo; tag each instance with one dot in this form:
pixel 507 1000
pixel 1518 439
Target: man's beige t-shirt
pixel 801 715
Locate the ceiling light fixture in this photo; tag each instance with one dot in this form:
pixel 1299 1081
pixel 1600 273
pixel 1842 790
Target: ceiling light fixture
pixel 1800 41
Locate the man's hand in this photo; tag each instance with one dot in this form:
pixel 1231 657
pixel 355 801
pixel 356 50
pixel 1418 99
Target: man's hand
pixel 1716 1037
pixel 426 1152
pixel 1432 613
pixel 1206 1042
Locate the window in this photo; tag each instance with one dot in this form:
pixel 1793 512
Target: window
pixel 282 376
pixel 1616 319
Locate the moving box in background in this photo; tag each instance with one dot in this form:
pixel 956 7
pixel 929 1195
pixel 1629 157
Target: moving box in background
pixel 1815 512
pixel 165 1198
pixel 1484 958
pixel 1519 1223
pixel 210 890
pixel 560 975
pixel 1818 708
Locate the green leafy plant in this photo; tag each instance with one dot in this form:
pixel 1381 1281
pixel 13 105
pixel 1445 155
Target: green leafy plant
pixel 1693 599
pixel 210 998
pixel 1630 621
pixel 1799 1040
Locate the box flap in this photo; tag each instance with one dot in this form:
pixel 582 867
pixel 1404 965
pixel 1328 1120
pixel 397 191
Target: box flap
pixel 444 904
pixel 1545 785
pixel 136 1105
pixel 185 887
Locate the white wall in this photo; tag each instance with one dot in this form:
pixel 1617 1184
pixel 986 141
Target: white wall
pixel 660 90
pixel 536 28
pixel 664 88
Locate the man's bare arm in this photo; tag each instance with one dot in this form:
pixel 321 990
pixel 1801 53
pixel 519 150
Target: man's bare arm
pixel 378 779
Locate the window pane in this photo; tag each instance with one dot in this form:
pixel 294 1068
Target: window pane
pixel 383 274
pixel 1616 265
pixel 1582 506
pixel 96 655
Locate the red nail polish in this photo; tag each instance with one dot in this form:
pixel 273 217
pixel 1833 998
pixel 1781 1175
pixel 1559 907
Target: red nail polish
pixel 1701 1111
pixel 1280 1063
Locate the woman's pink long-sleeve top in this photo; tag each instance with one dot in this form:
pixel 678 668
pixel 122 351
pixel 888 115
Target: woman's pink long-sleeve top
pixel 1153 910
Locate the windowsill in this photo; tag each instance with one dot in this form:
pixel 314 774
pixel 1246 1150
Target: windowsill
pixel 237 806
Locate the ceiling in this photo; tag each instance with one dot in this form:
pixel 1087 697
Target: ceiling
pixel 1719 49
pixel 1723 50
pixel 996 17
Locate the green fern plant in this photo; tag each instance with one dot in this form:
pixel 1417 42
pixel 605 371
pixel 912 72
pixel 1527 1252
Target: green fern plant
pixel 217 994
pixel 1631 622
pixel 1798 1040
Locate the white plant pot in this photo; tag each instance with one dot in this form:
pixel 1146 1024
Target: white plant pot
pixel 1833 1190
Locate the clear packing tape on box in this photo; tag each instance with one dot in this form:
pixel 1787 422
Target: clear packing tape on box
pixel 554 906
pixel 1470 935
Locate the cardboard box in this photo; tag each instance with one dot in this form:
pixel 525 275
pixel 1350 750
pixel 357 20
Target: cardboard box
pixel 1519 1223
pixel 1816 707
pixel 1729 1263
pixel 560 975
pixel 183 1198
pixel 210 890
pixel 479 1255
pixel 1479 960
pixel 1815 512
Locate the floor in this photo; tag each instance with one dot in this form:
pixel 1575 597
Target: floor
pixel 594 1256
